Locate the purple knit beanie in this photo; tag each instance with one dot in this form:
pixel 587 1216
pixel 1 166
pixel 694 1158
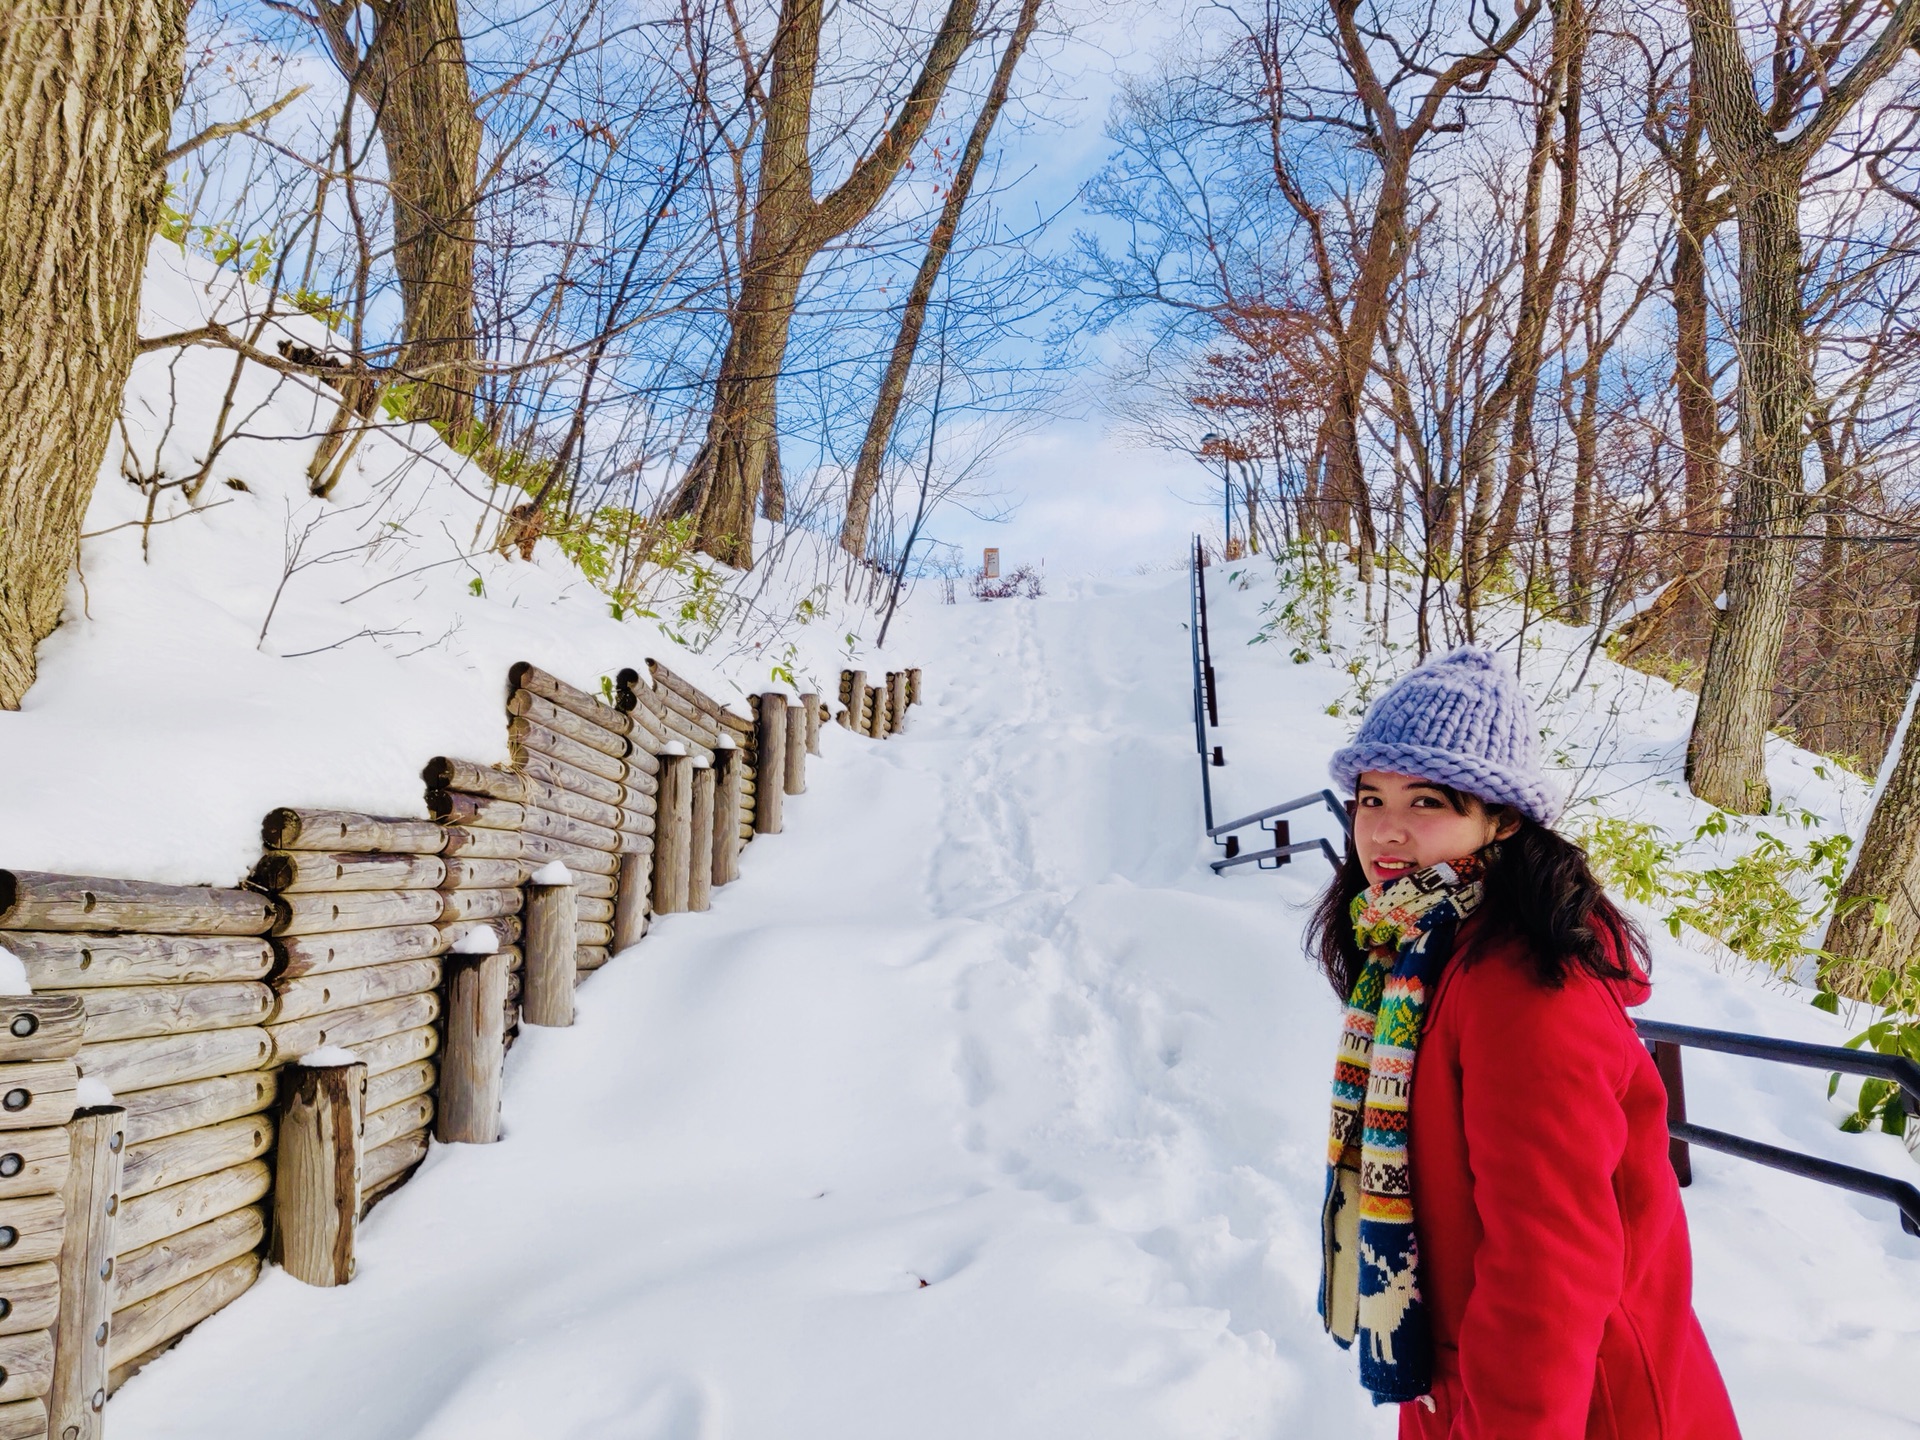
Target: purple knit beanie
pixel 1460 720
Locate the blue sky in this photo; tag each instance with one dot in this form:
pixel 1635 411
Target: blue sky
pixel 1085 500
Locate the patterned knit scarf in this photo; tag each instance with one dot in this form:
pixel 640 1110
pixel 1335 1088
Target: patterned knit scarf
pixel 1369 1284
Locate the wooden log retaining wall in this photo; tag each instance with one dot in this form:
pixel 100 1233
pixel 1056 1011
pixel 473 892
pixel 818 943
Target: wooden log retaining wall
pixel 190 1002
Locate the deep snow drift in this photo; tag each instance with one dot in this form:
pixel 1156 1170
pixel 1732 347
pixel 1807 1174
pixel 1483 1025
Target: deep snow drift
pixel 979 1108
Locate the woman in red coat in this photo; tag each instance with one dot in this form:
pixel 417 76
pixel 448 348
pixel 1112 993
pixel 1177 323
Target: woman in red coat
pixel 1504 1241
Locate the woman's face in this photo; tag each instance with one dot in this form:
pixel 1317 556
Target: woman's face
pixel 1401 824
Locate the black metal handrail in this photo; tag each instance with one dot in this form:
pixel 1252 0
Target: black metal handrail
pixel 1901 1193
pixel 1901 1071
pixel 1324 797
pixel 1667 1040
pixel 1281 849
pixel 1206 711
pixel 1205 702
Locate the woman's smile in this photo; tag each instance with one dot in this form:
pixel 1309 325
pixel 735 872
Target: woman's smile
pixel 1402 824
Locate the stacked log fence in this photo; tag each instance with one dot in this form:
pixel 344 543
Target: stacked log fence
pixel 877 710
pixel 260 1065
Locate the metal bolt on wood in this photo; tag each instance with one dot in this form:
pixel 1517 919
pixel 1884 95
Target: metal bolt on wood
pixel 96 1145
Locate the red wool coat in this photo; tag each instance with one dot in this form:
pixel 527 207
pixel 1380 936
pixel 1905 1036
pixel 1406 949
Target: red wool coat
pixel 1553 1247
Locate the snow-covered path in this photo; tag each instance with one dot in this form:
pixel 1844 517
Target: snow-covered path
pixel 976 1109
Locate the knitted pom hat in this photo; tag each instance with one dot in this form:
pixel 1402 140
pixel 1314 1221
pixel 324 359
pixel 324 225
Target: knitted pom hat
pixel 1460 720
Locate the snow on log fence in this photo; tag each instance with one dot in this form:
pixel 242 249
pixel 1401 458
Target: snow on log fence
pixel 206 1076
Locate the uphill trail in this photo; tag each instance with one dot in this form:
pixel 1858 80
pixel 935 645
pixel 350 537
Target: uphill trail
pixel 977 1108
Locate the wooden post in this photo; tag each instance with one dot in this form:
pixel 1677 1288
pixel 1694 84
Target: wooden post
pixel 770 746
pixel 700 841
pixel 546 986
pixel 796 766
pixel 96 1145
pixel 468 1108
pixel 913 686
pixel 632 899
pixel 1666 1059
pixel 316 1183
pixel 856 697
pixel 876 725
pixel 810 705
pixel 727 765
pixel 672 834
pixel 896 701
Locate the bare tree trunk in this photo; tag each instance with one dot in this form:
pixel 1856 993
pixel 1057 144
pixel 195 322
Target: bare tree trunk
pixel 1681 622
pixel 1701 211
pixel 1726 759
pixel 1491 530
pixel 87 94
pixel 1582 543
pixel 414 76
pixel 431 136
pixel 1887 870
pixel 1726 754
pixel 893 385
pixel 740 458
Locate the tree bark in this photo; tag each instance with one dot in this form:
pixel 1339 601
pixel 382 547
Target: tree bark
pixel 913 319
pixel 740 458
pixel 1887 870
pixel 87 94
pixel 1726 759
pixel 1726 753
pixel 431 136
pixel 414 77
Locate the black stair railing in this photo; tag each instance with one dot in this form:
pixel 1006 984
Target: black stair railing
pixel 1667 1042
pixel 1206 712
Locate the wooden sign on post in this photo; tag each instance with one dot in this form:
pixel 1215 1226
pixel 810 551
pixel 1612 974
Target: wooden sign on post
pixel 990 562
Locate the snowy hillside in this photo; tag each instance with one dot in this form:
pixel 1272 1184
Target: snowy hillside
pixel 255 646
pixel 979 1107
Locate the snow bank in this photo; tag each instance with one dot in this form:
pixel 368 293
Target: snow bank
pixel 256 647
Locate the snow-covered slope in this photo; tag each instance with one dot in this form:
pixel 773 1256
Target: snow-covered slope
pixel 979 1108
pixel 172 713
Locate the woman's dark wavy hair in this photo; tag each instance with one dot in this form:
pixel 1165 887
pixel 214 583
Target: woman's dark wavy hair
pixel 1540 891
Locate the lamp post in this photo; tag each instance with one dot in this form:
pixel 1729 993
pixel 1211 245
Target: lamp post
pixel 1226 482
